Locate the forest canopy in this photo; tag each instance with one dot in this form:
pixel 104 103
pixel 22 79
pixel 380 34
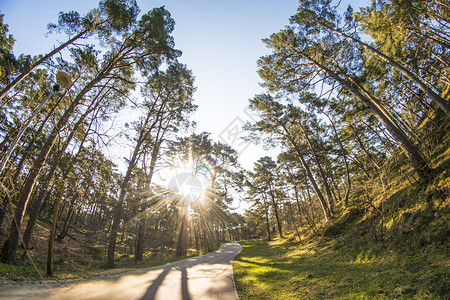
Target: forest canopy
pixel 357 101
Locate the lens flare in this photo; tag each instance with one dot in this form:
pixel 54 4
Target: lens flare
pixel 193 182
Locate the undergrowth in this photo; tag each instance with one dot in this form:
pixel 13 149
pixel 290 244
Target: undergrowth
pixel 326 270
pixel 391 241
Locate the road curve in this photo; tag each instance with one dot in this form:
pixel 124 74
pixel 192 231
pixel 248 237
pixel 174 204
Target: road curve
pixel 208 276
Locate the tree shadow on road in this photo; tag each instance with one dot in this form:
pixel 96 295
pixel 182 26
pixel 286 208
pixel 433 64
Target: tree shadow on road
pixel 223 256
pixel 153 288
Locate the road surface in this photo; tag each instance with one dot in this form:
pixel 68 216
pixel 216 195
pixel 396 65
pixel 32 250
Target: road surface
pixel 209 276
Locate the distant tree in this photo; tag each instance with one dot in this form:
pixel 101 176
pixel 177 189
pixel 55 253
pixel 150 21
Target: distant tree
pixel 217 164
pixel 264 178
pixel 169 103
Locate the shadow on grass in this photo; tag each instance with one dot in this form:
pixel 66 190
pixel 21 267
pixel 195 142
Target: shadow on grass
pixel 264 271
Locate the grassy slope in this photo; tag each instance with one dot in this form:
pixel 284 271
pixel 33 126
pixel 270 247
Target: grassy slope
pixel 391 243
pixel 282 270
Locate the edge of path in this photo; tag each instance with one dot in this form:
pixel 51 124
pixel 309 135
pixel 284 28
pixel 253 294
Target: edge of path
pixel 121 272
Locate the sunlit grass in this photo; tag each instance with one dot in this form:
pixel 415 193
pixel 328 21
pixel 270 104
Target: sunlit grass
pixel 279 270
pixel 393 248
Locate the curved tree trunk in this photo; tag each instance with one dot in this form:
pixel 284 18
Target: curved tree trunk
pixel 321 172
pixel 422 86
pixel 420 165
pixel 9 249
pixel 322 201
pixel 344 159
pixel 27 72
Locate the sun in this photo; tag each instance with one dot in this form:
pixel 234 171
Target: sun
pixel 188 183
pixel 189 186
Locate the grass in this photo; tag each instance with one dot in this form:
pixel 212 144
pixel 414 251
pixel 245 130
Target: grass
pixel 30 273
pixel 327 270
pixel 391 242
pixel 16 273
pixel 79 259
pixel 84 269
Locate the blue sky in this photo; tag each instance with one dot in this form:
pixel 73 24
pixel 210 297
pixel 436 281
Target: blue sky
pixel 220 41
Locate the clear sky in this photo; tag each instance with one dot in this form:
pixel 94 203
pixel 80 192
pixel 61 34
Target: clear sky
pixel 220 41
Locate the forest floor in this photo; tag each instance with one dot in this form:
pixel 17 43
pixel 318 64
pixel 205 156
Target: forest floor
pixel 206 276
pixel 282 269
pixel 390 242
pixel 76 258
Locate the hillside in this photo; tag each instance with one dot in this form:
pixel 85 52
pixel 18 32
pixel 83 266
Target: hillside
pixel 390 242
pixel 78 257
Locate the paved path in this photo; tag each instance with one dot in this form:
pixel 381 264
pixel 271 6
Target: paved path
pixel 209 276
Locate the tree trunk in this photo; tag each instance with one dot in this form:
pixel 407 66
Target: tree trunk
pixel 139 252
pixel 9 248
pixel 422 86
pixel 422 168
pixel 69 216
pixel 117 214
pixel 51 238
pixel 27 72
pixel 3 208
pixel 323 203
pixel 344 159
pixel 321 172
pixel 183 238
pixel 309 220
pixel 275 207
pixel 295 223
pixel 267 218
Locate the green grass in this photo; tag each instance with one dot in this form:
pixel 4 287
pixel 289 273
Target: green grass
pixel 79 259
pixel 281 270
pixel 16 273
pixel 396 247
